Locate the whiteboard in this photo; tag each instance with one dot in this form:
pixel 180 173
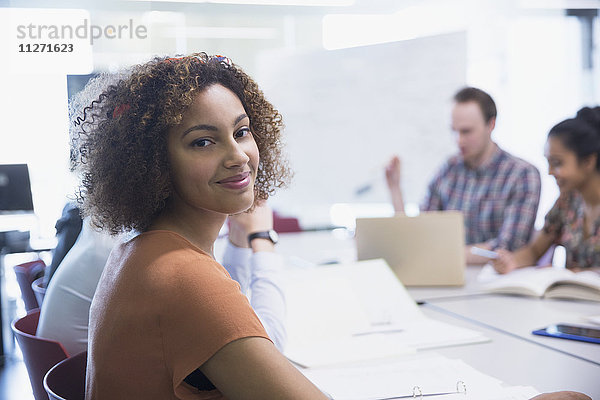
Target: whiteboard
pixel 348 111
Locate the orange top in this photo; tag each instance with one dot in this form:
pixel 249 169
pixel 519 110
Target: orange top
pixel 163 307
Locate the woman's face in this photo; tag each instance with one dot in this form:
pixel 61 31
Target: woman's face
pixel 564 166
pixel 212 155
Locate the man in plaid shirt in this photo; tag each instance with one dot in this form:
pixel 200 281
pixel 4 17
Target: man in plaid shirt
pixel 497 192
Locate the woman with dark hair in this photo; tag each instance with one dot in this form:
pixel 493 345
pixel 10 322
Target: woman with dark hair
pixel 168 152
pixel 573 153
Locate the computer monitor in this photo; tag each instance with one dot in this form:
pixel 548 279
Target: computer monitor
pixel 15 189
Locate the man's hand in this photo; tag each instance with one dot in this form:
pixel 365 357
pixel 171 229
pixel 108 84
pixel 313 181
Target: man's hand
pixel 392 173
pixel 505 262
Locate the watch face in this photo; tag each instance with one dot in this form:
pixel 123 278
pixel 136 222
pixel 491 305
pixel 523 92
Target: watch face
pixel 273 236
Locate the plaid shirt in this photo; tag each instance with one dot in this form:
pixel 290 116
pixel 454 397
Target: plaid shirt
pixel 499 199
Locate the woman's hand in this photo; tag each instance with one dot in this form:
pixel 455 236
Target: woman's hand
pixel 562 396
pixel 505 262
pixel 241 225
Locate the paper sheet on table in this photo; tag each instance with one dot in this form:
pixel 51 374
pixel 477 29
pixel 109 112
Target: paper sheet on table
pixel 427 374
pixel 331 326
pixel 358 311
pixel 594 319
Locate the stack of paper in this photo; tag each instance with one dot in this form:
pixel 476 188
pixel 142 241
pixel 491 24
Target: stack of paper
pixel 358 311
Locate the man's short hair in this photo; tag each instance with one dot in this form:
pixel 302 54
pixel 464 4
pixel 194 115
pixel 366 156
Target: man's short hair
pixel 484 100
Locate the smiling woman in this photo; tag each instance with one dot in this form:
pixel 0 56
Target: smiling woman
pixel 213 147
pixel 573 153
pixel 169 151
pixel 122 136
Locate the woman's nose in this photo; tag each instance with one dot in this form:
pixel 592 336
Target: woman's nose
pixel 236 155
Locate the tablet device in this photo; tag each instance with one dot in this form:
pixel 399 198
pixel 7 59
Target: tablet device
pixel 572 332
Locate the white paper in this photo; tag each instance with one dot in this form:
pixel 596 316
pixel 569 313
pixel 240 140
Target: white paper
pixel 594 319
pixel 359 311
pixel 426 373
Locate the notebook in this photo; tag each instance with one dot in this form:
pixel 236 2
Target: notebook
pixel 426 250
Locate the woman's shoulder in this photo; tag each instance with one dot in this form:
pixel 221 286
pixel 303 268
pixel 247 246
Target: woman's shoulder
pixel 162 241
pixel 167 254
pixel 568 206
pixel 569 200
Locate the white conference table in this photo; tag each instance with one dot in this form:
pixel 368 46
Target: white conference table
pixel 520 362
pixel 514 355
pixel 518 316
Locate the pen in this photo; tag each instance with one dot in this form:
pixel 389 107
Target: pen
pixel 478 251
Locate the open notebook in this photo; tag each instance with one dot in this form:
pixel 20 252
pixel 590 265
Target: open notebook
pixel 547 282
pixel 344 313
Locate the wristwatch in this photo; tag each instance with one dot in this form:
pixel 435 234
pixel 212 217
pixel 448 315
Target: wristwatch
pixel 269 235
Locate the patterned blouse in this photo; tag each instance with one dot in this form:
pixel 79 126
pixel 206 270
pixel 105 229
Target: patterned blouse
pixel 565 223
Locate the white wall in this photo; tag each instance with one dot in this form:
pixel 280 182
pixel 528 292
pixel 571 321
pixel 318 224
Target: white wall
pixel 348 111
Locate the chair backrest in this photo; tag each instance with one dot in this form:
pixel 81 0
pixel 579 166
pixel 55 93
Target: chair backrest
pixel 39 289
pixel 66 380
pixel 285 224
pixel 26 273
pixel 39 354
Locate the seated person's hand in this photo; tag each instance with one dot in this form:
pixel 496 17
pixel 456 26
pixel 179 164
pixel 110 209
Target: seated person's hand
pixel 562 396
pixel 505 262
pixel 392 172
pixel 259 219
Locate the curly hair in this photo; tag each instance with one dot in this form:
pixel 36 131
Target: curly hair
pixel 119 140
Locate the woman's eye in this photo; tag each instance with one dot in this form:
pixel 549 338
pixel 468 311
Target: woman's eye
pixel 554 163
pixel 242 133
pixel 201 143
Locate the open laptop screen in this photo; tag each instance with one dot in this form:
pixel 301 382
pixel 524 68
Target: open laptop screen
pixel 15 188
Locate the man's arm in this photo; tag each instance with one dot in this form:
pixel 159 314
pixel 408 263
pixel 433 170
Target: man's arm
pixel 392 177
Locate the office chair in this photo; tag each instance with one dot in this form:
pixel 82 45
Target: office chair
pixel 26 273
pixel 39 354
pixel 66 380
pixel 285 224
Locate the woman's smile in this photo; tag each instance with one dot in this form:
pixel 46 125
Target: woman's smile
pixel 235 182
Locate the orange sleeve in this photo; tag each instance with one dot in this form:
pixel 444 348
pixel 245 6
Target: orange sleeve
pixel 203 311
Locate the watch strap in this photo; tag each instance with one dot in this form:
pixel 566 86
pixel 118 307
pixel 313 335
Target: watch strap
pixel 270 235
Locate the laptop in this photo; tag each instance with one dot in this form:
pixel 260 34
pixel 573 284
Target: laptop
pixel 426 250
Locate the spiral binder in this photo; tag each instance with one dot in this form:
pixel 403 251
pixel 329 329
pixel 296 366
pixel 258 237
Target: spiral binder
pixel 461 387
